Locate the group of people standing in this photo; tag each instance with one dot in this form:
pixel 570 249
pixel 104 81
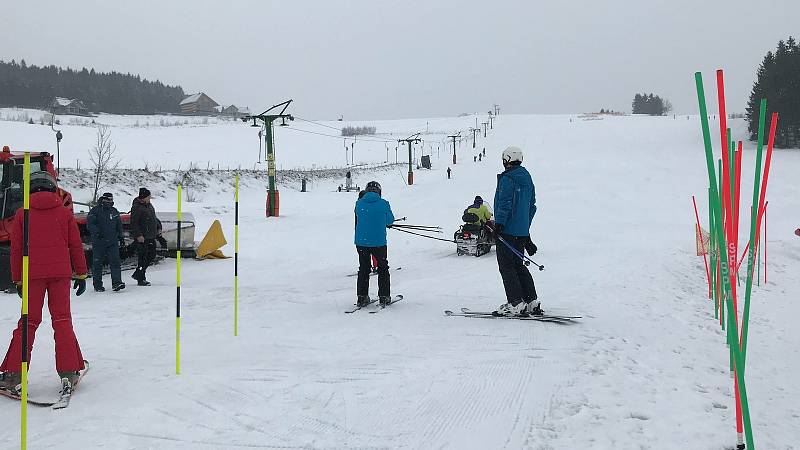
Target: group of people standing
pixel 105 227
pixel 515 207
pixel 56 260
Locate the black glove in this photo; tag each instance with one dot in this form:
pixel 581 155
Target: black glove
pixel 121 242
pixel 80 285
pixel 497 230
pixel 530 247
pixel 162 241
pixel 19 289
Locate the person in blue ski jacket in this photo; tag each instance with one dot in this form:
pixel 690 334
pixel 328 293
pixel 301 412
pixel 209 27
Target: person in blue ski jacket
pixel 373 216
pixel 514 208
pixel 105 228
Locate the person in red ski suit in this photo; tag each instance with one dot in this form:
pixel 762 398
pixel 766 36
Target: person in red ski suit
pixel 55 251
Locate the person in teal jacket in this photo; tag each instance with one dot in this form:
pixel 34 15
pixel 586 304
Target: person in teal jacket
pixel 514 208
pixel 373 216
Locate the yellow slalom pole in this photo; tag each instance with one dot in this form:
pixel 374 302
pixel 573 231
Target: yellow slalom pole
pixel 26 186
pixel 178 293
pixel 236 261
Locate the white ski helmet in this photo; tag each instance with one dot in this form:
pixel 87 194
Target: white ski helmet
pixel 512 154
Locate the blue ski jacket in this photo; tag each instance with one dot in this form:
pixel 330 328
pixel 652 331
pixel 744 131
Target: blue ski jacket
pixel 373 215
pixel 104 224
pixel 515 201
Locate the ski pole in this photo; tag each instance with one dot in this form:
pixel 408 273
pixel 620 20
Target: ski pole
pixel 420 228
pixel 527 261
pixel 425 236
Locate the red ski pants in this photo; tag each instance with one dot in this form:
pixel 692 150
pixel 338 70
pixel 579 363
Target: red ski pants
pixel 68 353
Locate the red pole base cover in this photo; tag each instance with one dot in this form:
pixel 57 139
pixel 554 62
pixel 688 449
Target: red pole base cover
pixel 410 178
pixel 277 204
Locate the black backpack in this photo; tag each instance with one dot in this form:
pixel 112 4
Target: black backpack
pixel 469 217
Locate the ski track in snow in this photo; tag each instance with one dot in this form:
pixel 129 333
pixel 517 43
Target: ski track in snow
pixel 646 367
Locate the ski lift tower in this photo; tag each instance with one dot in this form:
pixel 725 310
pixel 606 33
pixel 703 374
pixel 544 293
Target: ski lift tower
pixel 410 140
pixel 273 196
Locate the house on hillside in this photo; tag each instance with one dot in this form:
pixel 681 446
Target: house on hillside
pixel 199 104
pixel 66 106
pixel 236 111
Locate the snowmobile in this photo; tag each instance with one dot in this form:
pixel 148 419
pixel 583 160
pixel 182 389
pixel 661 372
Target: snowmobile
pixel 472 239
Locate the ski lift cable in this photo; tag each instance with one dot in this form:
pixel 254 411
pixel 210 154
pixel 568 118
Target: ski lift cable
pixel 337 137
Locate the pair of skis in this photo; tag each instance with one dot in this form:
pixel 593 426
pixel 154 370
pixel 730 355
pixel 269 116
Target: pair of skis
pixel 466 312
pixel 64 396
pixel 355 308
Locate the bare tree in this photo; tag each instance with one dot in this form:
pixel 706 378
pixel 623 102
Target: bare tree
pixel 103 160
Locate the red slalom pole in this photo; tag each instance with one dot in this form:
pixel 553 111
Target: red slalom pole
pixel 700 234
pixel 726 202
pixel 773 126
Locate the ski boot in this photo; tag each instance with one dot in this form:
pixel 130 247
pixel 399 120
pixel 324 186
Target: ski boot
pixel 509 310
pixel 137 274
pixel 362 301
pixel 384 300
pixel 118 286
pixel 71 376
pixel 11 382
pixel 142 282
pixel 99 289
pixel 534 308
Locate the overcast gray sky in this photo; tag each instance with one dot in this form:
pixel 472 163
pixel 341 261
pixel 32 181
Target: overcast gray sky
pixel 411 58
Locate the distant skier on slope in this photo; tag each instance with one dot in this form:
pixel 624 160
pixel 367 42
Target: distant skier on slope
pixel 515 206
pixel 56 251
pixel 373 216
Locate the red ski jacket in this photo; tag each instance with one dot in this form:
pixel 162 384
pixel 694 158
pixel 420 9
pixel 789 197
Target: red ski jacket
pixel 55 249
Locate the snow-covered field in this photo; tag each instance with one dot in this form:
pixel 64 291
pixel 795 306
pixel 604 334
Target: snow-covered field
pixel 646 367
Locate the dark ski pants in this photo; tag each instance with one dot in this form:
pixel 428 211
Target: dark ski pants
pixel 101 252
pixel 68 352
pixel 365 255
pixel 517 280
pixel 146 253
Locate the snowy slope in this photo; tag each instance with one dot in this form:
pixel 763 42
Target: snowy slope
pixel 645 368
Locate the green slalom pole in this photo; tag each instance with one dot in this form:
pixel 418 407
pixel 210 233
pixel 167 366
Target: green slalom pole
pixel 713 258
pixel 753 225
pixel 720 235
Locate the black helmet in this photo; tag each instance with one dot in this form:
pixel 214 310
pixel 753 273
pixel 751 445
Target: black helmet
pixel 42 181
pixel 373 186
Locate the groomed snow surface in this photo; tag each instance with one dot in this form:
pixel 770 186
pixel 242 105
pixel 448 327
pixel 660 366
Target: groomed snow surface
pixel 646 367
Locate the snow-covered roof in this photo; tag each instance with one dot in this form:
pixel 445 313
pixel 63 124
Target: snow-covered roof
pixel 63 101
pixel 192 98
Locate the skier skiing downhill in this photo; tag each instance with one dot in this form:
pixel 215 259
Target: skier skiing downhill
pixel 55 251
pixel 373 216
pixel 515 206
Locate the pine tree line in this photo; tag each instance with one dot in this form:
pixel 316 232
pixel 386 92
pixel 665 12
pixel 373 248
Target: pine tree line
pixel 650 104
pixel 117 93
pixel 778 80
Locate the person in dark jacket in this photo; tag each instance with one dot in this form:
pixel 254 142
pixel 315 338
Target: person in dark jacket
pixel 514 208
pixel 55 252
pixel 105 227
pixel 373 216
pixel 145 229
